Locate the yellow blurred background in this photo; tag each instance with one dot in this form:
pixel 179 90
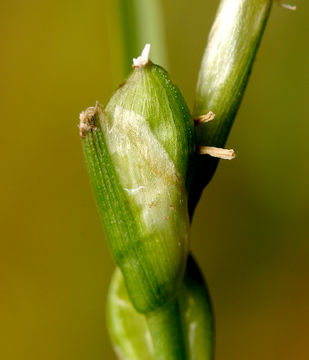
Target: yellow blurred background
pixel 250 231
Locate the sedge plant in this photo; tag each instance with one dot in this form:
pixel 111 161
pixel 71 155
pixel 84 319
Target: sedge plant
pixel 149 159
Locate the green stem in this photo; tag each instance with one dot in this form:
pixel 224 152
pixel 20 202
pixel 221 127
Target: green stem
pixel 227 63
pixel 166 331
pixel 197 314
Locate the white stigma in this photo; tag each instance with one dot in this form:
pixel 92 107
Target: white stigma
pixel 142 60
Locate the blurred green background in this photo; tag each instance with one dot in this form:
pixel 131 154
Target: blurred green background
pixel 250 231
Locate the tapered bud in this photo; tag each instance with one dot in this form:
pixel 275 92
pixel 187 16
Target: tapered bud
pixel 138 151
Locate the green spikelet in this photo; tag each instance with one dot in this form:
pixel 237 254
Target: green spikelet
pixel 138 151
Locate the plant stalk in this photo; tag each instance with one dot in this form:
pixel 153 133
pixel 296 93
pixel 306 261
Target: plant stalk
pixel 226 66
pixel 166 331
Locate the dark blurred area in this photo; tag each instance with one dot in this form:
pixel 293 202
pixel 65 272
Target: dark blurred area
pixel 250 231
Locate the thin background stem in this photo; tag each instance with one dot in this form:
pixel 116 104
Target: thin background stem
pixel 132 24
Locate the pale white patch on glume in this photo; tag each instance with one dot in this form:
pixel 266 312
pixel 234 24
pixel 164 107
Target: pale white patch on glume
pixel 192 333
pixel 119 353
pixel 145 170
pixel 132 191
pixel 148 339
pixel 142 60
pixel 122 303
